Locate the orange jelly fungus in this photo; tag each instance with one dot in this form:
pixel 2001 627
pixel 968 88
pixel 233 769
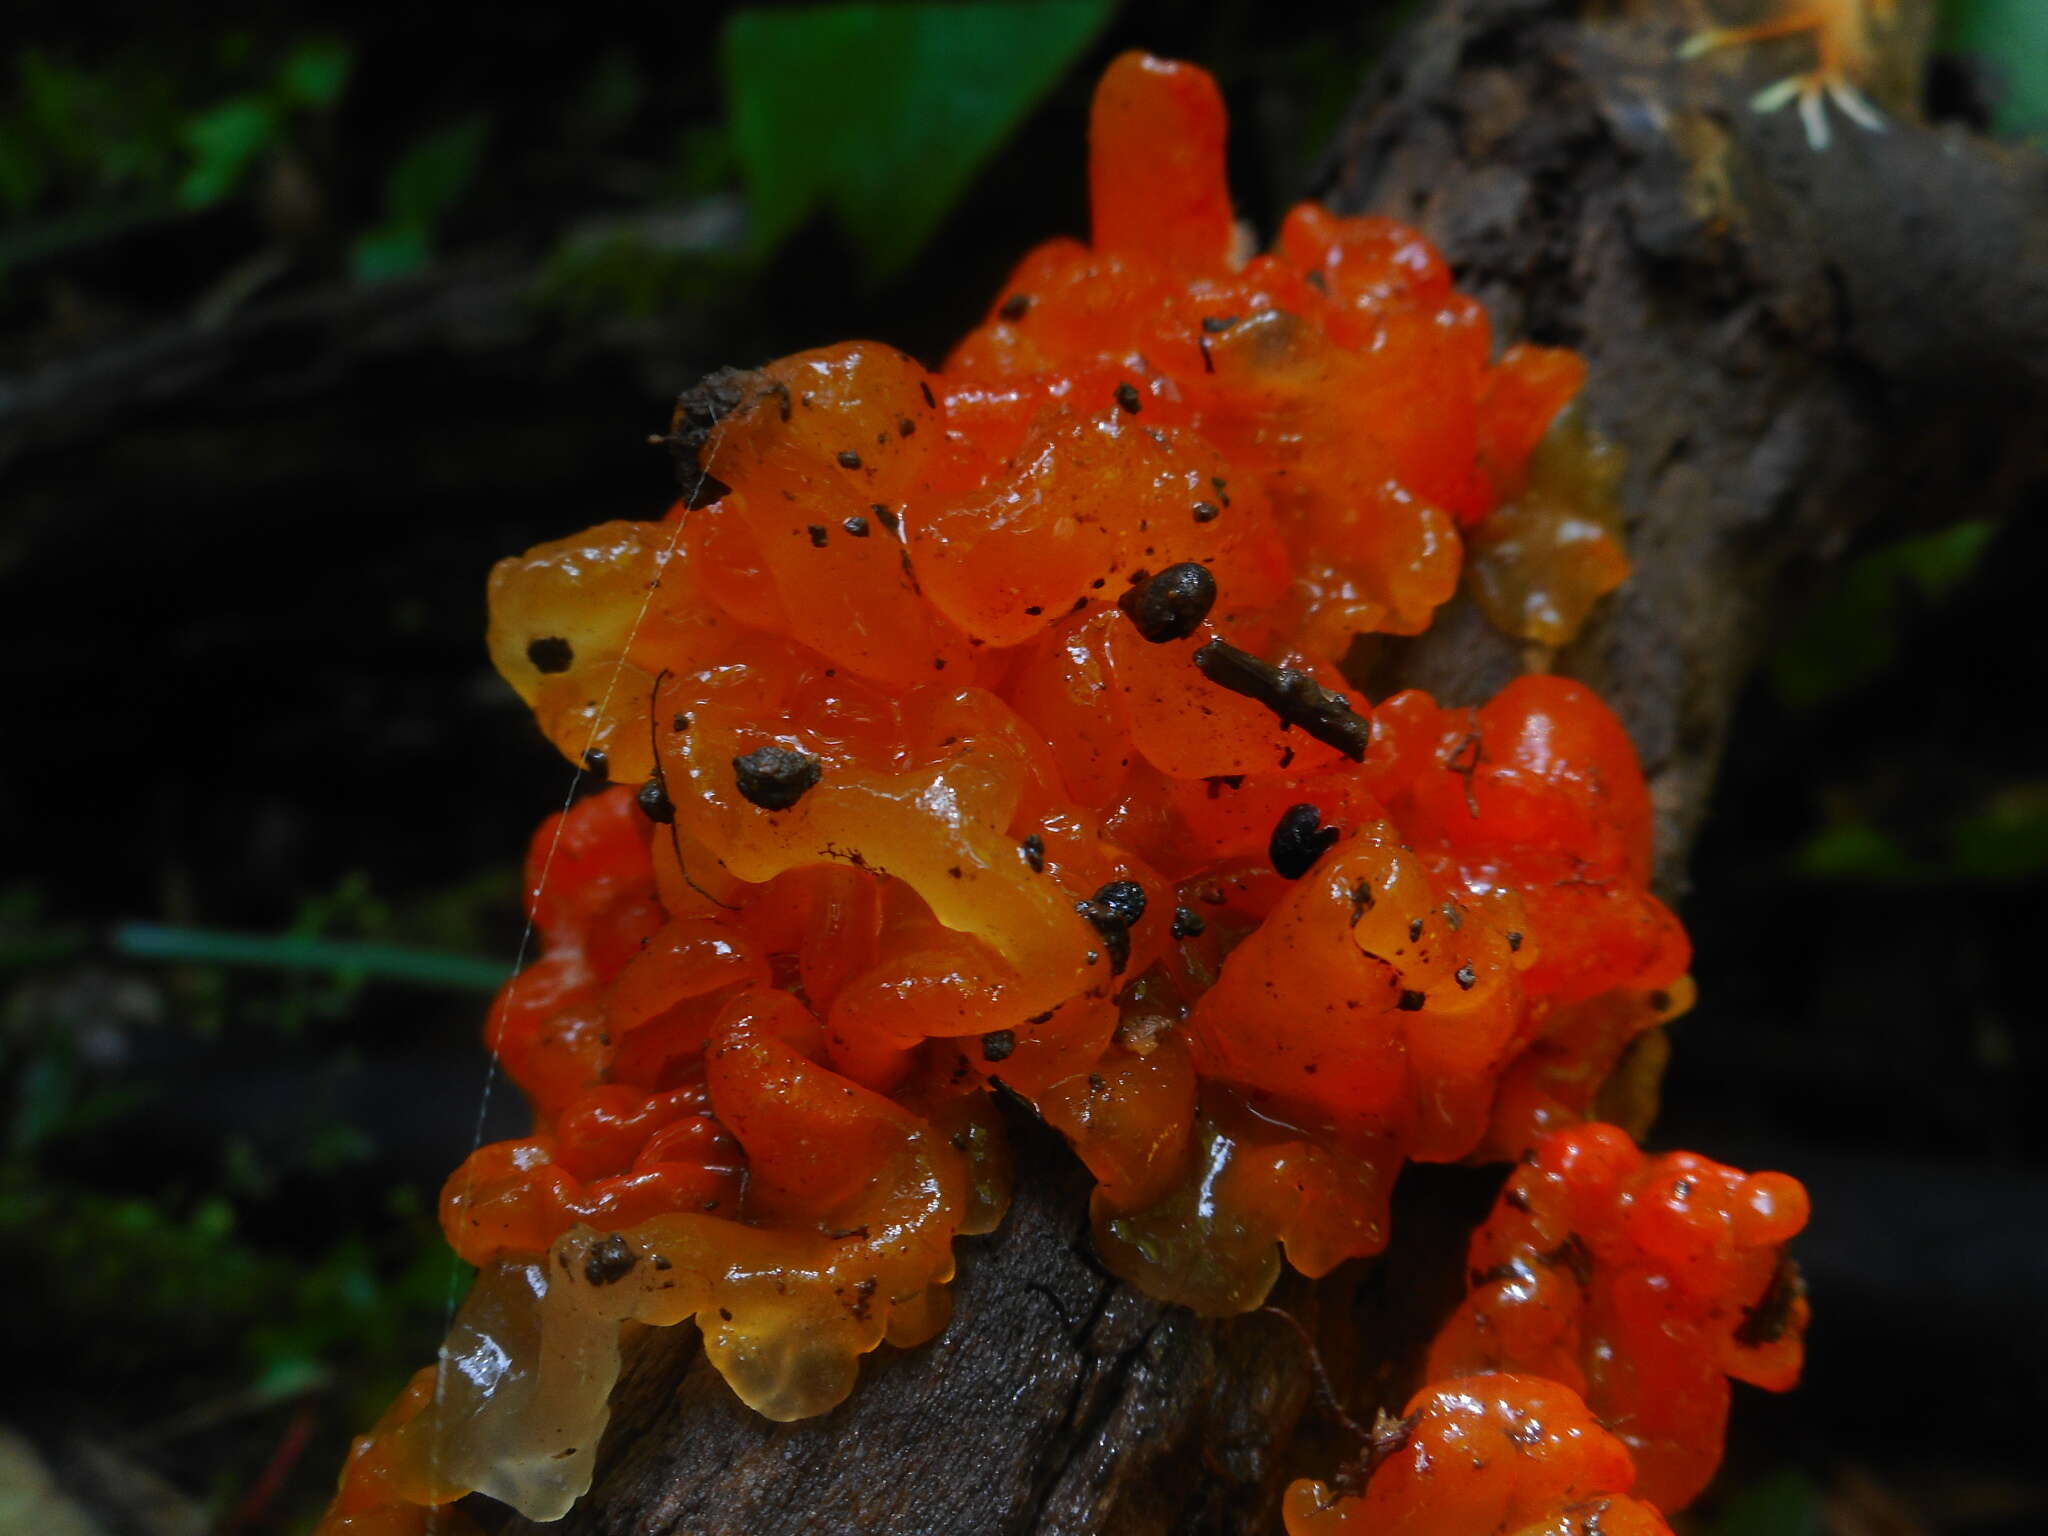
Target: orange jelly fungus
pixel 982 724
pixel 1478 1455
pixel 1643 1283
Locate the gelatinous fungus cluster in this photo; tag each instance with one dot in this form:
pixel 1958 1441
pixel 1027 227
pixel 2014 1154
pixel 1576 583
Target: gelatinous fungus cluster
pixel 982 726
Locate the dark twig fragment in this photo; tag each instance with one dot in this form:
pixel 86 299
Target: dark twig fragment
pixel 1295 697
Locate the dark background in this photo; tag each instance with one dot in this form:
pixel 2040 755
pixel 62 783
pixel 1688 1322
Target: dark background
pixel 307 315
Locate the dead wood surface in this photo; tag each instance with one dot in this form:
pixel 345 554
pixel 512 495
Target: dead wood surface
pixel 1784 343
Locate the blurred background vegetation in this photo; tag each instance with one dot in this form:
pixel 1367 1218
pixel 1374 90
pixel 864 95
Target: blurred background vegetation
pixel 309 312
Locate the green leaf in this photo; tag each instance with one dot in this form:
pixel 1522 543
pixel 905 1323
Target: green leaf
pixel 1852 636
pixel 1786 1503
pixel 383 254
pixel 223 144
pixel 883 113
pixel 1855 851
pixel 2011 38
pixel 435 172
pixel 421 188
pixel 316 72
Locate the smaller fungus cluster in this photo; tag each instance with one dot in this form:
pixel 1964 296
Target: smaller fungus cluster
pixel 982 727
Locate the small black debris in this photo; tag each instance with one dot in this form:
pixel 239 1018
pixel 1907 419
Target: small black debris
pixel 551 654
pixel 1172 604
pixel 1127 397
pixel 654 800
pixel 699 410
pixel 775 778
pixel 1124 897
pixel 1187 925
pixel 610 1258
pixel 1111 911
pixel 997 1044
pixel 1299 839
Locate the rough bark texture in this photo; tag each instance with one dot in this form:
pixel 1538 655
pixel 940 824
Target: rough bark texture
pixel 1784 342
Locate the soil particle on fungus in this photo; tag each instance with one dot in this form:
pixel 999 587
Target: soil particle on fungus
pixel 1034 853
pixel 1361 901
pixel 1111 911
pixel 611 1258
pixel 1188 924
pixel 1124 897
pixel 1172 604
pixel 775 778
pixel 551 654
pixel 1127 396
pixel 1299 839
pixel 1015 307
pixel 997 1045
pixel 654 801
pixel 699 410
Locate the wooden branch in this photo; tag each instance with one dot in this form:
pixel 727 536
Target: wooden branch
pixel 1784 342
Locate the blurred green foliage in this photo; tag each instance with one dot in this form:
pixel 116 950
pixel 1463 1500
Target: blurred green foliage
pixel 422 187
pixel 2000 839
pixel 87 153
pixel 1783 1503
pixel 172 1270
pixel 1844 652
pixel 803 88
pixel 876 114
pixel 224 141
pixel 2010 39
pixel 1851 637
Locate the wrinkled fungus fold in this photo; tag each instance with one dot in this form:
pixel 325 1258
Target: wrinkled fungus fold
pixel 982 727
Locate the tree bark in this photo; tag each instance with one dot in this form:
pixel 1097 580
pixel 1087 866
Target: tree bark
pixel 1785 343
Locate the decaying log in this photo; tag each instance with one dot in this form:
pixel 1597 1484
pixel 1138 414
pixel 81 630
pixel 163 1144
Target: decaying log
pixel 1784 342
